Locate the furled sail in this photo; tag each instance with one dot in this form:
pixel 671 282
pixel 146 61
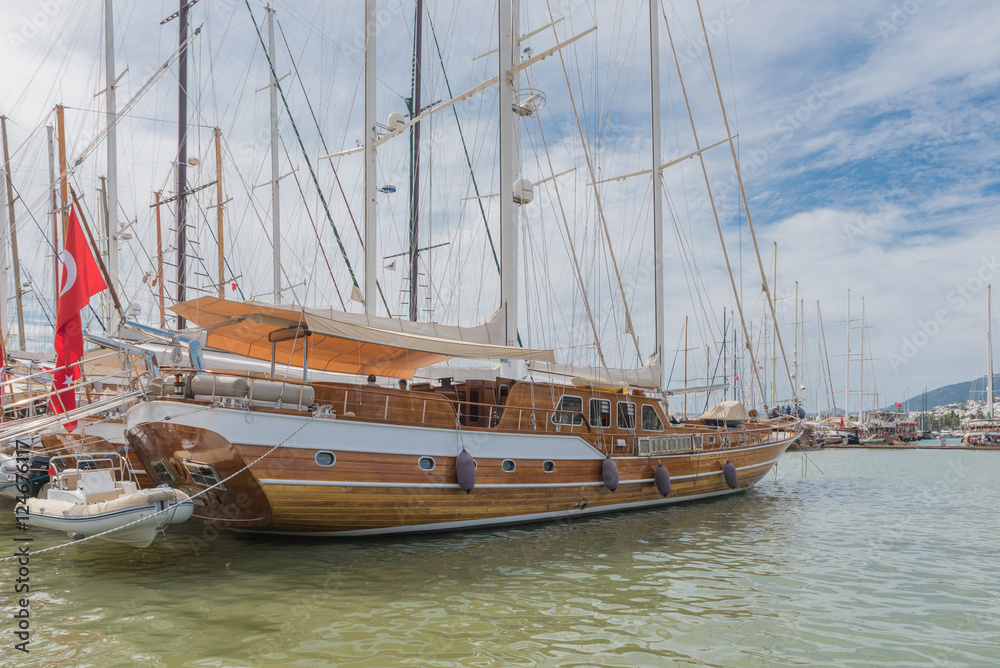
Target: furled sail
pixel 646 377
pixel 345 342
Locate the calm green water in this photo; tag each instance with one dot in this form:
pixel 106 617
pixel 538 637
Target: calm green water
pixel 886 557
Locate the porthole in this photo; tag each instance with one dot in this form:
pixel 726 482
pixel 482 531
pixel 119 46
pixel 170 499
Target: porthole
pixel 548 466
pixel 325 458
pixel 426 463
pixel 508 465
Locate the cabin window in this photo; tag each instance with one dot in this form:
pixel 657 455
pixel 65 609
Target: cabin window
pixel 548 466
pixel 504 391
pixel 650 420
pixel 626 415
pixel 600 413
pixel 325 458
pixel 508 465
pixel 426 463
pixel 163 472
pixel 203 474
pixel 568 410
pixel 711 440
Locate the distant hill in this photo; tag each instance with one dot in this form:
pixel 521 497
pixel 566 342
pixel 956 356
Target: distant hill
pixel 950 394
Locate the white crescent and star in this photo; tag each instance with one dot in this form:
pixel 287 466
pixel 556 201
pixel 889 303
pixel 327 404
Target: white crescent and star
pixel 69 265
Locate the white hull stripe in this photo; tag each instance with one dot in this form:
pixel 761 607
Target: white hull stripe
pixel 495 521
pixel 425 485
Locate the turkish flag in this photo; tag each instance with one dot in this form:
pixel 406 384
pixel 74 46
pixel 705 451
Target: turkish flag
pixel 80 280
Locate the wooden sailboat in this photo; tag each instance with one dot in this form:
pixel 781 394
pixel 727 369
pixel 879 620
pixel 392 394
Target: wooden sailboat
pixel 265 454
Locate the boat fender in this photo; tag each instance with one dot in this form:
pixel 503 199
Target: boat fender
pixel 465 469
pixel 729 471
pixel 662 478
pixel 610 472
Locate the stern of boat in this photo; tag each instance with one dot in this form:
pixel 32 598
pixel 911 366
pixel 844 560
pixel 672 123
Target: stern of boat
pixel 200 462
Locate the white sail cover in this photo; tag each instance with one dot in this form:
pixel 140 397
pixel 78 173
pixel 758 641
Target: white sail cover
pixel 647 377
pixel 346 342
pixel 727 411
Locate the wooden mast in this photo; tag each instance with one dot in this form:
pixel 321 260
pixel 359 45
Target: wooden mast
pixel 55 215
pixel 13 233
pixel 63 191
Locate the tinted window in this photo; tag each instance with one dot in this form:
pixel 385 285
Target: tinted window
pixel 650 420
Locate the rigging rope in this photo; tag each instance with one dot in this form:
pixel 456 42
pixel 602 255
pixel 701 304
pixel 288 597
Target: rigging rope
pixel 305 155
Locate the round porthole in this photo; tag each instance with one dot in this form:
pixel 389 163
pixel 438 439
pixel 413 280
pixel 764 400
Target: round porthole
pixel 508 465
pixel 548 466
pixel 325 458
pixel 426 463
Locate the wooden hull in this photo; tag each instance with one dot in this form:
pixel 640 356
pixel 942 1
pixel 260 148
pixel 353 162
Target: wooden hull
pixel 376 484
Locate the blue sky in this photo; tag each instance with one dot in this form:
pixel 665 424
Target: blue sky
pixel 867 132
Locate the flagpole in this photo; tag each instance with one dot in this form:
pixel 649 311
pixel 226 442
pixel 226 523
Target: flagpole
pixel 97 255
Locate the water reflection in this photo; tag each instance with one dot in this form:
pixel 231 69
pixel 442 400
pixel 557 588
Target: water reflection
pixel 880 559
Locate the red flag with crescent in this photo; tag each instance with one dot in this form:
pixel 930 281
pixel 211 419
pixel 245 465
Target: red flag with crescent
pixel 80 280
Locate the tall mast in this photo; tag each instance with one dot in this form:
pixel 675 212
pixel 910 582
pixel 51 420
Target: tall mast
pixel 861 380
pixel 795 342
pixel 371 249
pixel 819 360
pixel 182 30
pixel 275 211
pixel 111 212
pixel 50 131
pixel 159 262
pixel 418 22
pixel 654 116
pixel 989 351
pixel 4 267
pixel 218 213
pixel 774 331
pixel 13 234
pixel 508 170
pixel 847 372
pixel 63 185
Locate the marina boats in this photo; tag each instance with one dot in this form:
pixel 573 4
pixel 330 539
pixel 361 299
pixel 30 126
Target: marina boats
pixel 95 494
pixel 263 452
pixel 985 432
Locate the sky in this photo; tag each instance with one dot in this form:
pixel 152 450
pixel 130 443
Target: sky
pixel 866 132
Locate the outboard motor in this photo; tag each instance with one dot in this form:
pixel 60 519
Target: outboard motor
pixel 38 473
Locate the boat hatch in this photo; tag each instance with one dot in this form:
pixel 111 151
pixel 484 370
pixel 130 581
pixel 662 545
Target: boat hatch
pixel 163 472
pixel 203 474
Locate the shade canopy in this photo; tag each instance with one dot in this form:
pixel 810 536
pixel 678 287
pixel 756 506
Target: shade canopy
pixel 727 411
pixel 346 342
